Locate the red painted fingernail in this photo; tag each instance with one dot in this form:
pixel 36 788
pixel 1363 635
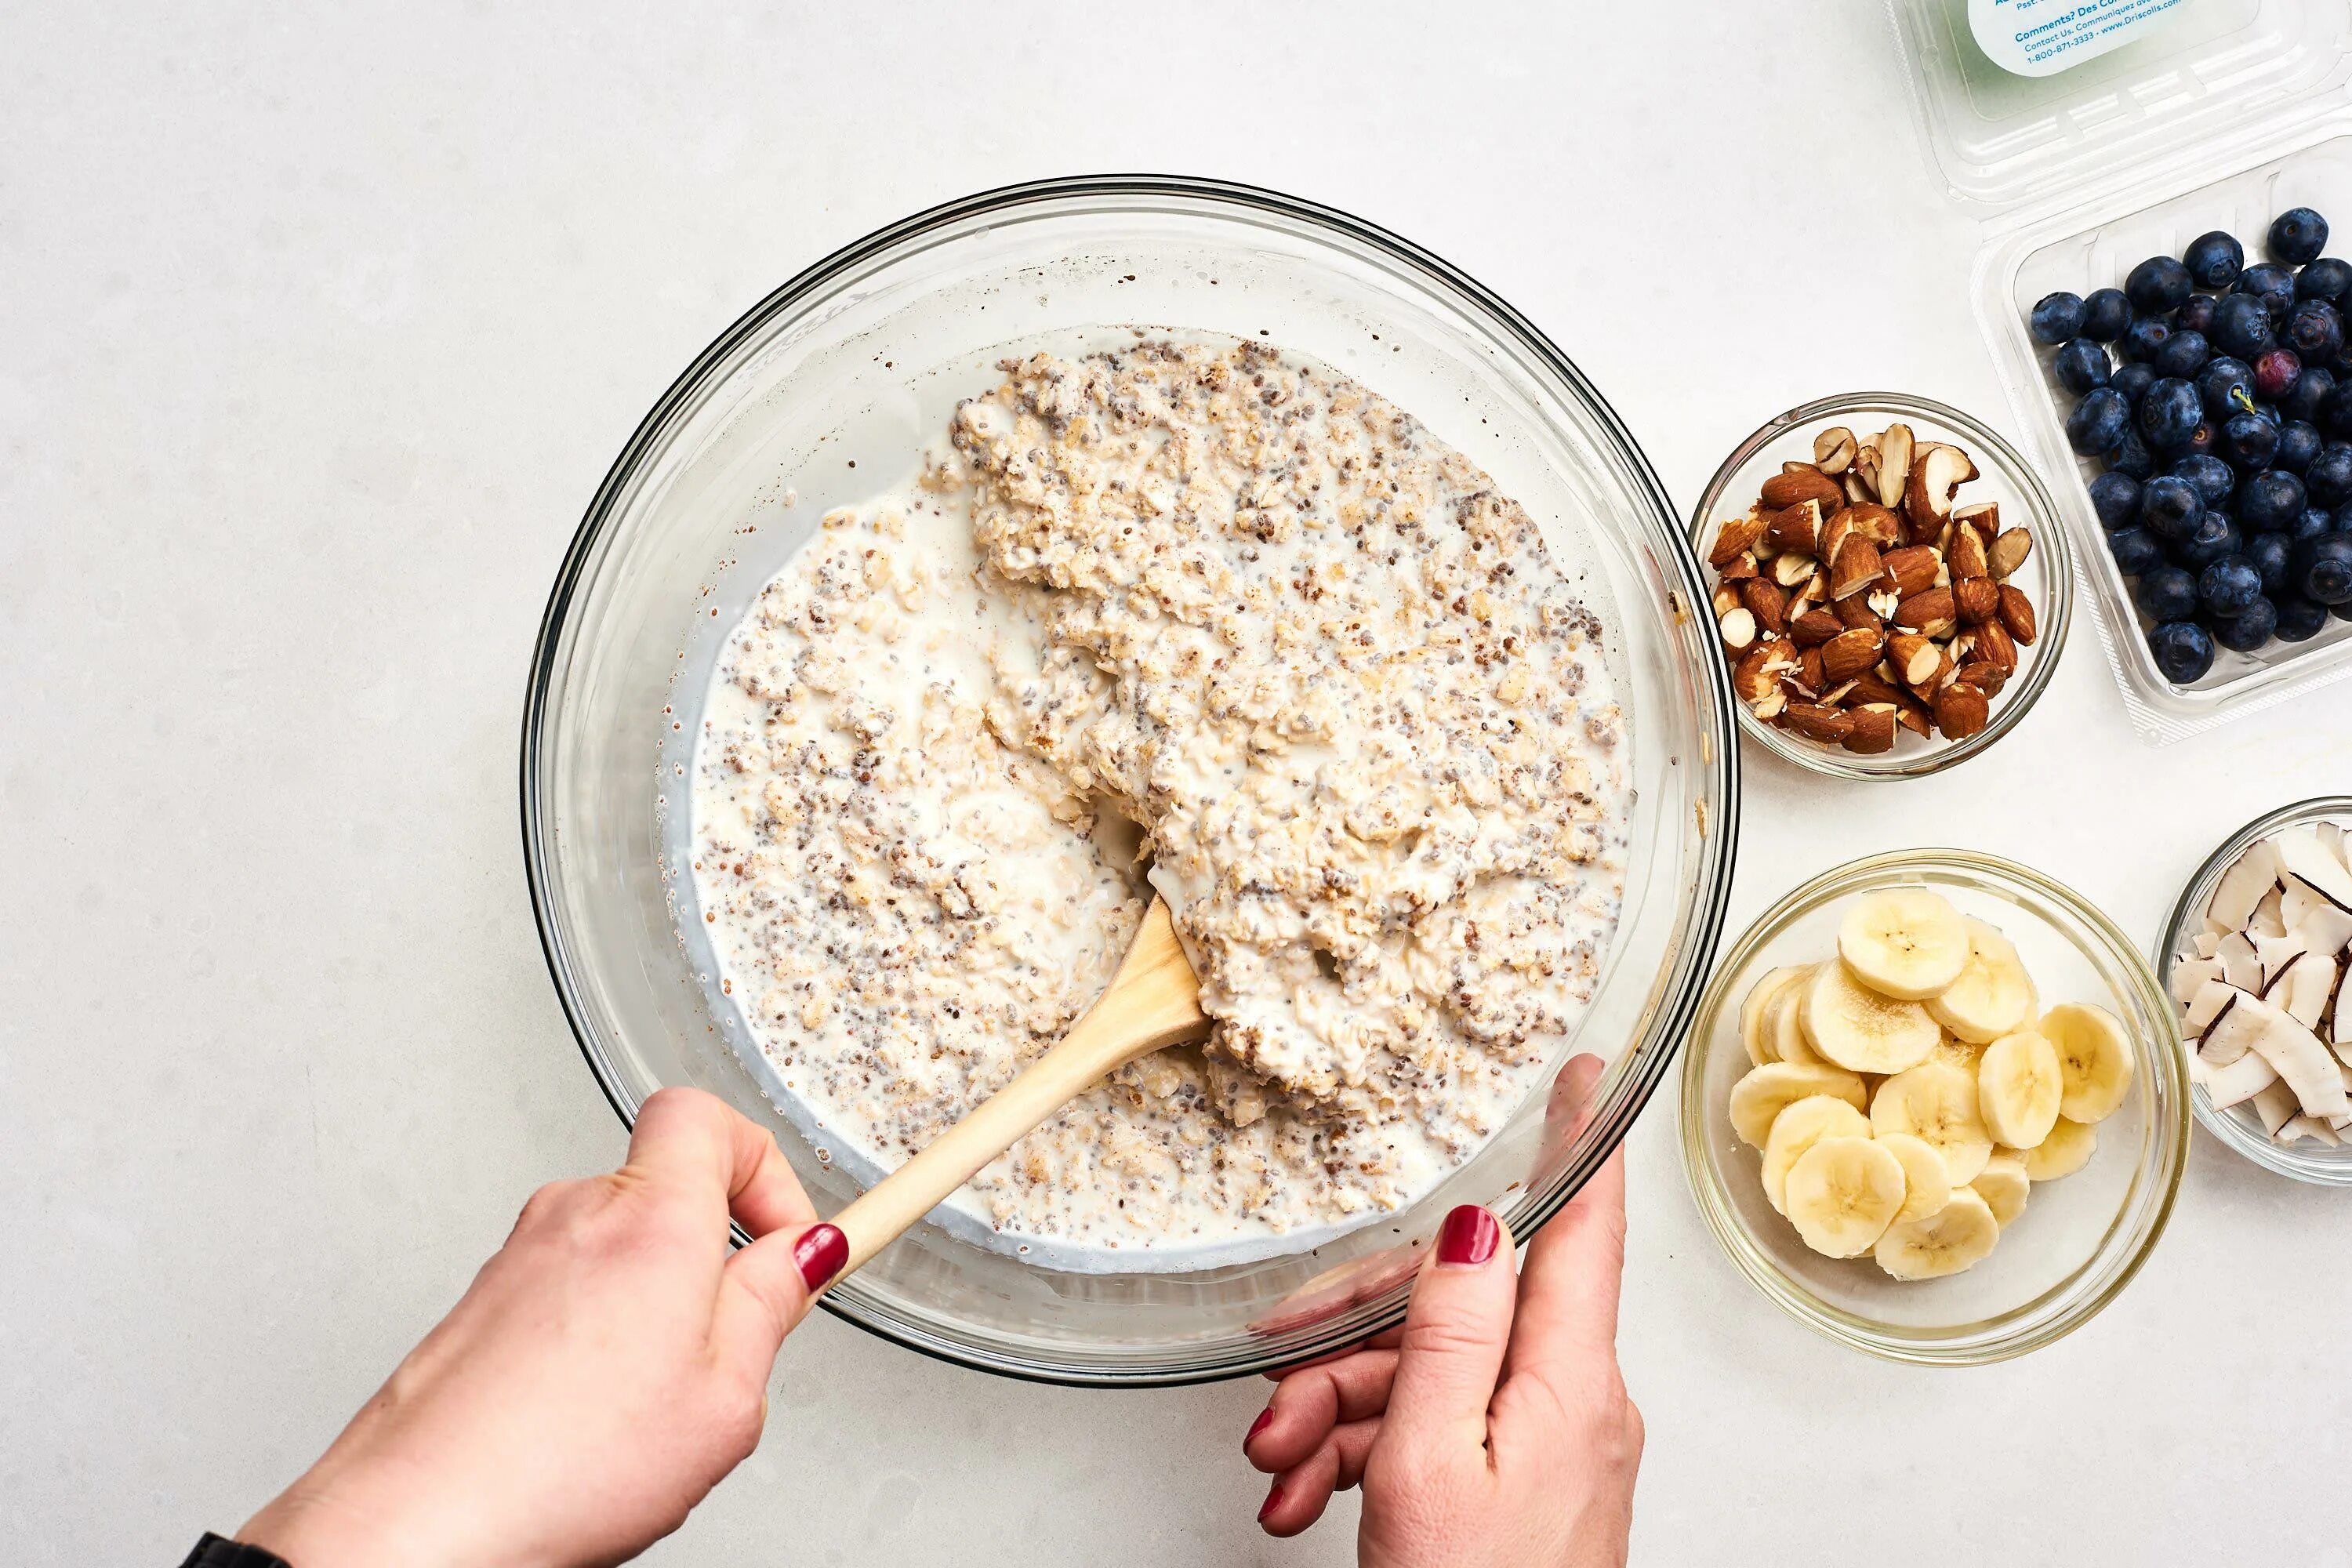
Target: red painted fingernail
pixel 819 1254
pixel 1256 1426
pixel 1272 1501
pixel 1468 1235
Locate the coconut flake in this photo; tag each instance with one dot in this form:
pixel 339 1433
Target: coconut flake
pixel 2301 1060
pixel 2265 921
pixel 2191 975
pixel 2305 988
pixel 2241 966
pixel 2301 855
pixel 2275 1104
pixel 2240 1080
pixel 2231 1034
pixel 2303 1127
pixel 2244 886
pixel 2212 998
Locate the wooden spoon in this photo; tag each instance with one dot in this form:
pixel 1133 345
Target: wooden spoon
pixel 1154 1000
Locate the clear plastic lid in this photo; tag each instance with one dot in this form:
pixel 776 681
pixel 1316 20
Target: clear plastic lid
pixel 2090 134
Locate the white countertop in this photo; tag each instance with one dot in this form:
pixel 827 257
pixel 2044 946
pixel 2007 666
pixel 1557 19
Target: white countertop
pixel 317 333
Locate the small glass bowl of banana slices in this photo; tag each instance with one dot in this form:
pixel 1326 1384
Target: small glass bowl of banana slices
pixel 1933 1106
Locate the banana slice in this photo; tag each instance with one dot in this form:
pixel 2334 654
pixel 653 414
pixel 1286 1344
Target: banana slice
pixel 1993 995
pixel 1954 1237
pixel 1936 1104
pixel 1797 1129
pixel 2003 1184
pixel 1927 1184
pixel 1958 1053
pixel 1768 1090
pixel 1784 1022
pixel 2018 1091
pixel 2094 1059
pixel 1904 942
pixel 2066 1151
pixel 1842 1194
pixel 1860 1030
pixel 1753 1033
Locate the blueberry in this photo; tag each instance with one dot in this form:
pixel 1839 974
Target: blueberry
pixel 2267 554
pixel 2184 354
pixel 2099 422
pixel 2196 314
pixel 2214 259
pixel 2248 442
pixel 2315 330
pixel 2170 507
pixel 2158 284
pixel 2316 522
pixel 2242 325
pixel 2326 564
pixel 2271 499
pixel 2133 381
pixel 2275 372
pixel 2183 650
pixel 2297 235
pixel 2336 410
pixel 2131 455
pixel 2311 389
pixel 2106 313
pixel 2338 521
pixel 2217 536
pixel 2167 594
pixel 2299 618
pixel 2057 317
pixel 2115 497
pixel 2210 475
pixel 2080 366
pixel 2298 443
pixel 2250 628
pixel 2136 550
pixel 2328 479
pixel 2205 440
pixel 2170 415
pixel 2272 284
pixel 2325 279
pixel 2226 386
pixel 2229 586
pixel 2144 337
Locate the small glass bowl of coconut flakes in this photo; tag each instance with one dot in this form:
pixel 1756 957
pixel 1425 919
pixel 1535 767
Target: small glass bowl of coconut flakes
pixel 2256 960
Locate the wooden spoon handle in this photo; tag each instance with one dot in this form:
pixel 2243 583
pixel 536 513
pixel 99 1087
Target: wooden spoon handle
pixel 1153 1001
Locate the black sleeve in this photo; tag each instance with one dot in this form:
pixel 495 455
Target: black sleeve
pixel 213 1552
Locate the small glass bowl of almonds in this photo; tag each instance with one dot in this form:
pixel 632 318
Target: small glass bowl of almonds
pixel 1890 587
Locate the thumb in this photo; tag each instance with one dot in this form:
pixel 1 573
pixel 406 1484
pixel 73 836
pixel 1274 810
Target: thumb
pixel 1455 1331
pixel 767 1287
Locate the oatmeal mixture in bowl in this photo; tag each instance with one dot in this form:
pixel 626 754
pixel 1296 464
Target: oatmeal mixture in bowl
pixel 1203 612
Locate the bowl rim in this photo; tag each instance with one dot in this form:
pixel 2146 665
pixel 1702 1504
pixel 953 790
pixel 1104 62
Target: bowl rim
pixel 1943 1347
pixel 2055 607
pixel 1717 764
pixel 2325 1167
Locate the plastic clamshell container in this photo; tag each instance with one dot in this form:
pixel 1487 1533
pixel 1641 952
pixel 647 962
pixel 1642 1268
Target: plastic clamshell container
pixel 2217 114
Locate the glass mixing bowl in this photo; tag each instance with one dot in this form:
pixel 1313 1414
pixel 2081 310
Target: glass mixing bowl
pixel 2081 1238
pixel 826 393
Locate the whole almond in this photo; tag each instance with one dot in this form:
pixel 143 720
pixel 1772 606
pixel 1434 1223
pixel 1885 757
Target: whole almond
pixel 1857 567
pixel 1961 711
pixel 1797 527
pixel 1977 599
pixel 1828 725
pixel 1911 569
pixel 1814 627
pixel 1833 449
pixel 1984 675
pixel 1766 604
pixel 2017 613
pixel 1932 611
pixel 1848 654
pixel 1994 644
pixel 1858 612
pixel 1810 673
pixel 1966 554
pixel 2008 552
pixel 1803 482
pixel 1738 628
pixel 1736 538
pixel 1871 730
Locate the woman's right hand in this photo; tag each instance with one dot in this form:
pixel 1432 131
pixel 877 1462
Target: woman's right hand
pixel 1494 1427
